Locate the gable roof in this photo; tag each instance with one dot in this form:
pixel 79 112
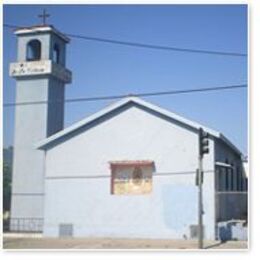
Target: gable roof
pixel 44 144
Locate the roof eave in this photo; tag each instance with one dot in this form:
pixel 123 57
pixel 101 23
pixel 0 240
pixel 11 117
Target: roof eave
pixel 230 144
pixel 47 142
pixel 41 29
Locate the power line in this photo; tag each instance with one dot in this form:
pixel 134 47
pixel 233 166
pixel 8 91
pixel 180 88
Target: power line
pixel 10 26
pixel 147 94
pixel 148 46
pixel 157 47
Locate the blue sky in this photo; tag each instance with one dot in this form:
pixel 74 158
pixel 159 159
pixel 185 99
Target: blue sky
pixel 107 69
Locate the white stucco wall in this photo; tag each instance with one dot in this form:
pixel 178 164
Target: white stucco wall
pixel 77 186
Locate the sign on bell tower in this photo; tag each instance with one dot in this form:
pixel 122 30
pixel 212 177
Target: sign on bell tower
pixel 40 75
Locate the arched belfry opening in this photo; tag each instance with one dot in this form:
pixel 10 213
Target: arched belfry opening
pixel 56 53
pixel 33 51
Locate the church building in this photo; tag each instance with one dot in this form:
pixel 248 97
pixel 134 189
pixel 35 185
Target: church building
pixel 127 171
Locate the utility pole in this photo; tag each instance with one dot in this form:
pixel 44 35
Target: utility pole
pixel 203 149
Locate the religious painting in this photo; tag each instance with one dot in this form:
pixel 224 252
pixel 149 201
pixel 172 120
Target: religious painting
pixel 131 177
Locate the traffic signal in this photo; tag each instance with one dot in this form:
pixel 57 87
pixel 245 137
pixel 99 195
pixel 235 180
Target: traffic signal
pixel 199 178
pixel 203 142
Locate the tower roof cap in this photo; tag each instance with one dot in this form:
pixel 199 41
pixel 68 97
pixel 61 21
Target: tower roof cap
pixel 40 29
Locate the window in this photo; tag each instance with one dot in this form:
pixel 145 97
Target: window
pixel 221 180
pixel 232 177
pixel 56 53
pixel 33 51
pixel 238 179
pixel 227 173
pixel 131 177
pixel 246 184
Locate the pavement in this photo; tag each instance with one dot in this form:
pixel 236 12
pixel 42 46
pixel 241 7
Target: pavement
pixel 36 241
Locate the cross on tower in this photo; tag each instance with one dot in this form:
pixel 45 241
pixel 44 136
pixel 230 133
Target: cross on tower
pixel 44 15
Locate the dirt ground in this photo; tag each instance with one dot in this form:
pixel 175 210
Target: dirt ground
pixel 23 242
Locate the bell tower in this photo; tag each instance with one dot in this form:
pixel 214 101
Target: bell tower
pixel 40 75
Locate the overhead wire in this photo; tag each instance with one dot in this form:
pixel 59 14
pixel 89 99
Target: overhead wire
pixel 113 97
pixel 145 45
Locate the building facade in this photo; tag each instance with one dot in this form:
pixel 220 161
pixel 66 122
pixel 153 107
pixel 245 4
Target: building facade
pixel 130 170
pixel 40 75
pixel 127 171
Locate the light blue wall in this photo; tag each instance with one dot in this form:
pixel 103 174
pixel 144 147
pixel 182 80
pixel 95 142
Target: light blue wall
pixel 88 205
pixel 78 179
pixel 93 211
pixel 28 164
pixel 32 124
pixel 55 109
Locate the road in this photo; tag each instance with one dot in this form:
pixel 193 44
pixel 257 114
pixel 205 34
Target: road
pixel 30 242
